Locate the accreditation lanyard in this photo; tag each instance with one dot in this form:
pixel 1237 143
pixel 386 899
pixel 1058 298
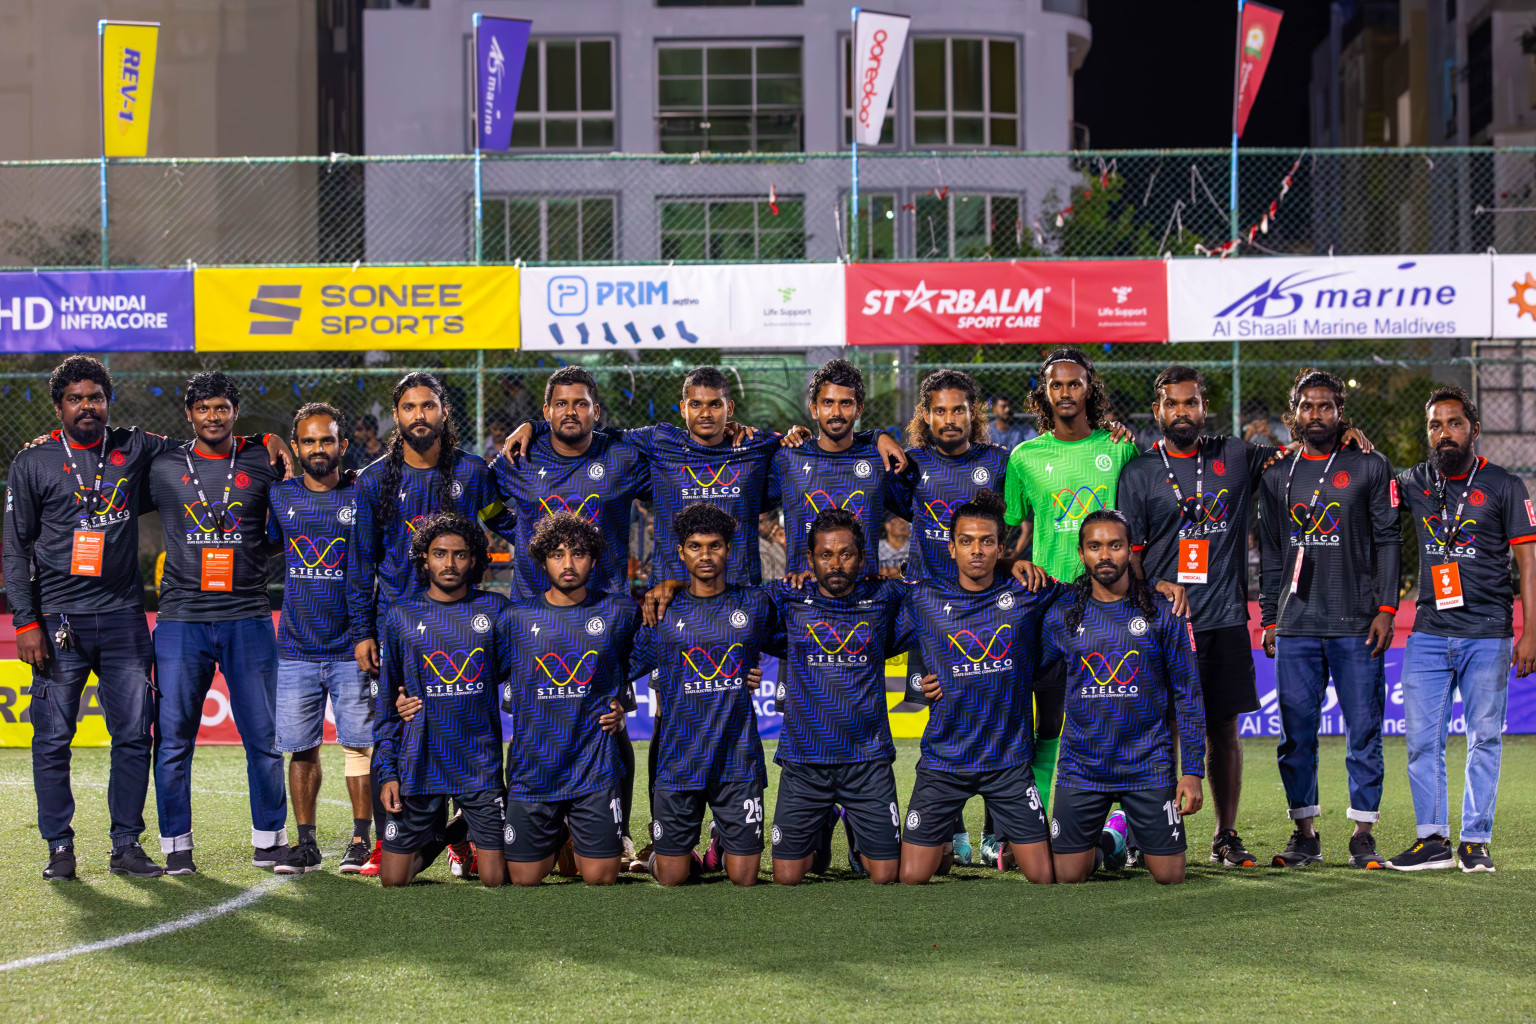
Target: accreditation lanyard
pixel 1461 503
pixel 1296 526
pixel 101 465
pixel 229 477
pixel 1194 555
pixel 1187 513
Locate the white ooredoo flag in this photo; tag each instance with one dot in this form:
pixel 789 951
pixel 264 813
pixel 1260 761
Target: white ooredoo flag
pixel 878 40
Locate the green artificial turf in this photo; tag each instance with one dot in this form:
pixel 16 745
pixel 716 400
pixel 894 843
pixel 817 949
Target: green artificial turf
pixel 1234 946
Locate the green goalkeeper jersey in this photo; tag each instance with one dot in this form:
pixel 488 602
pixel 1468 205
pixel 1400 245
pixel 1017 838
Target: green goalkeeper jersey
pixel 1056 483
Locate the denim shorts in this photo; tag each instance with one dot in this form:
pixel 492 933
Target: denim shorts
pixel 302 687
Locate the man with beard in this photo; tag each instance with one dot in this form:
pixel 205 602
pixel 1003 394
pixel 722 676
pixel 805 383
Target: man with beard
pixel 1469 516
pixel 311 520
pixel 77 602
pixel 1130 671
pixel 1188 504
pixel 1329 553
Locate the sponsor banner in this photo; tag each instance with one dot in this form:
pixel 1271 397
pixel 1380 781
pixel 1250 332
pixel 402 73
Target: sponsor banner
pixel 500 46
pixel 1257 33
pixel 127 85
pixel 325 308
pixel 789 305
pixel 1319 298
pixel 1514 296
pixel 878 41
pixel 1020 301
pixel 96 311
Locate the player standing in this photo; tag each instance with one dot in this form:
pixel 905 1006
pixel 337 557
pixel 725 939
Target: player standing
pixel 1129 670
pixel 1469 516
pixel 443 646
pixel 1330 549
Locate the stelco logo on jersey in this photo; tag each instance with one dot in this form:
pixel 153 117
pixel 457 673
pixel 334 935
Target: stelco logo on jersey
pixel 214 523
pixel 837 645
pixel 560 677
pixel 103 507
pixel 457 672
pixel 319 558
pixel 320 308
pixel 702 483
pixel 984 651
pixel 1462 545
pixel 1317 526
pixel 1111 677
pixel 716 669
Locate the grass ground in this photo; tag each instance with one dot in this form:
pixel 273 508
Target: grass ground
pixel 1248 946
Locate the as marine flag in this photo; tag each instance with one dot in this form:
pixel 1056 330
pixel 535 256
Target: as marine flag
pixel 127 85
pixel 501 44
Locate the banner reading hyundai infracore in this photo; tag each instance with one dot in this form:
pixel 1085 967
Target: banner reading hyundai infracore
pixel 96 311
pixel 1314 298
pixel 316 309
pixel 786 305
pixel 990 303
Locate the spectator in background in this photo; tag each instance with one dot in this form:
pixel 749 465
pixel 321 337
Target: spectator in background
pixel 894 546
pixel 497 426
pixel 519 404
pixel 1262 427
pixel 1004 431
pixel 366 447
pixel 770 545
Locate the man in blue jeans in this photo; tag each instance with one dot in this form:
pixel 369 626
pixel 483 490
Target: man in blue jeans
pixel 1329 555
pixel 1469 516
pixel 215 614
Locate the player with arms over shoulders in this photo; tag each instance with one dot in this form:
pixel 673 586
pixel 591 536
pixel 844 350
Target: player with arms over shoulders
pixel 1130 668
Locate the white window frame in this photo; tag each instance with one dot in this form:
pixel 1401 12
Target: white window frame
pixel 752 113
pixel 985 113
pixel 757 220
pixel 507 198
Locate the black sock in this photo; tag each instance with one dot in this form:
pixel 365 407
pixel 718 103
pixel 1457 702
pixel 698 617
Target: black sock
pixel 306 833
pixel 379 814
pixel 360 828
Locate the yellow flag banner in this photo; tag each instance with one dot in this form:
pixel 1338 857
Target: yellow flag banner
pixel 127 85
pixel 324 308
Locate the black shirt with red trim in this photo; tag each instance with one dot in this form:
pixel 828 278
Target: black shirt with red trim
pixel 1496 515
pixel 1349 536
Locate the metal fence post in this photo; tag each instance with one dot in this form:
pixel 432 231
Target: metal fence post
pixel 479 398
pixel 1237 388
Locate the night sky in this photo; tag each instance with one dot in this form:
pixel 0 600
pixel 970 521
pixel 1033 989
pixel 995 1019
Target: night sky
pixel 1159 74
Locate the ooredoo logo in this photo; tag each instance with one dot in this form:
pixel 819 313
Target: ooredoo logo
pixel 873 60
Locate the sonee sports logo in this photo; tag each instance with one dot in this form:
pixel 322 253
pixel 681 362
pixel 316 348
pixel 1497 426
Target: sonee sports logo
pixel 286 316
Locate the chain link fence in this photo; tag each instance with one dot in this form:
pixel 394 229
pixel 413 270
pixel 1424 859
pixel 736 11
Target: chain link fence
pixel 630 208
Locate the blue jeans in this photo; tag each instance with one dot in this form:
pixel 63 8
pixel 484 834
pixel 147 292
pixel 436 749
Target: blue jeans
pixel 302 687
pixel 1302 667
pixel 1435 667
pixel 115 646
pixel 185 656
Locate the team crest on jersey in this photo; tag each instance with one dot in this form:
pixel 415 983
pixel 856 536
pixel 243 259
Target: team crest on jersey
pixel 1055 829
pixel 655 831
pixel 596 471
pixel 508 835
pixel 913 819
pixel 980 477
pixel 1477 497
pixel 373 687
pixel 457 490
pixel 346 515
pixel 1137 626
pixel 1102 463
pixel 480 623
pixel 738 618
pixel 1341 479
pixel 1219 468
pixel 1005 601
pixel 242 480
pixel 595 626
pixel 776 835
pixel 117 458
pixel 506 692
pixel 862 469
pixel 391 830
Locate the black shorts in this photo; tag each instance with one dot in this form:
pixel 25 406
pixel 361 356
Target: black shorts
pixel 866 790
pixel 421 819
pixel 1152 814
pixel 1050 701
pixel 538 830
pixel 1012 799
pixel 677 816
pixel 1224 659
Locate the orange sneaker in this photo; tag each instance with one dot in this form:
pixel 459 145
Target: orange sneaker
pixel 371 869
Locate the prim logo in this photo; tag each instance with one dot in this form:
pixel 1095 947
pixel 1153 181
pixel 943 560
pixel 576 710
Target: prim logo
pixel 285 316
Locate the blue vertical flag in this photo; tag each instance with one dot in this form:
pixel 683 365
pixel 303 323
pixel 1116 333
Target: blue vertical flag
pixel 500 46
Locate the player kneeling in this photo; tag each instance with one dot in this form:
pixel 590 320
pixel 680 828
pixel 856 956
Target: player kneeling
pixel 444 649
pixel 1128 657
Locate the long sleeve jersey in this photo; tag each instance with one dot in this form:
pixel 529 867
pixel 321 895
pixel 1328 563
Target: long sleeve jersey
pixel 1342 519
pixel 933 486
pixel 1126 671
pixel 314 529
pixel 808 480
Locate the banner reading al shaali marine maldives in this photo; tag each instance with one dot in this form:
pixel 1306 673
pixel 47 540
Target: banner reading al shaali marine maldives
pixel 792 305
pixel 1347 297
pixel 325 308
pixel 96 311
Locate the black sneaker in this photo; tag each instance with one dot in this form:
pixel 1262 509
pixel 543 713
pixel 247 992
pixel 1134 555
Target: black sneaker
pixel 134 862
pixel 1427 854
pixel 61 864
pixel 1474 857
pixel 356 857
pixel 1300 851
pixel 271 856
pixel 1227 849
pixel 180 863
pixel 1362 852
pixel 302 859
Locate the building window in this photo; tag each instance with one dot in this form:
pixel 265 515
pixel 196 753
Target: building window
pixel 877 225
pixel 969 226
pixel 1480 77
pixel 536 230
pixel 729 3
pixel 888 129
pixel 565 100
pixel 733 228
pixel 737 98
pixel 965 92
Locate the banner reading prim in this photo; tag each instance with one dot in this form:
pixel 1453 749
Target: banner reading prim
pixel 96 311
pixel 338 308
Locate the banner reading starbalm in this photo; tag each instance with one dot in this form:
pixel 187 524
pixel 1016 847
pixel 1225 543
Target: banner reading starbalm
pixel 324 308
pixel 878 40
pixel 788 305
pixel 1347 297
pixel 127 85
pixel 96 311
pixel 988 303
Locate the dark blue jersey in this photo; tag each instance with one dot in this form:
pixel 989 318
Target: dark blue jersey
pixel 702 651
pixel 832 675
pixel 315 531
pixel 1125 672
pixel 984 647
pixel 601 484
pixel 564 665
pixel 736 478
pixel 933 484
pixel 381 537
pixel 808 480
pixel 449 656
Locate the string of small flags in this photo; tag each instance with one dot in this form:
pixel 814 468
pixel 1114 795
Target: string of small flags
pixel 1266 219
